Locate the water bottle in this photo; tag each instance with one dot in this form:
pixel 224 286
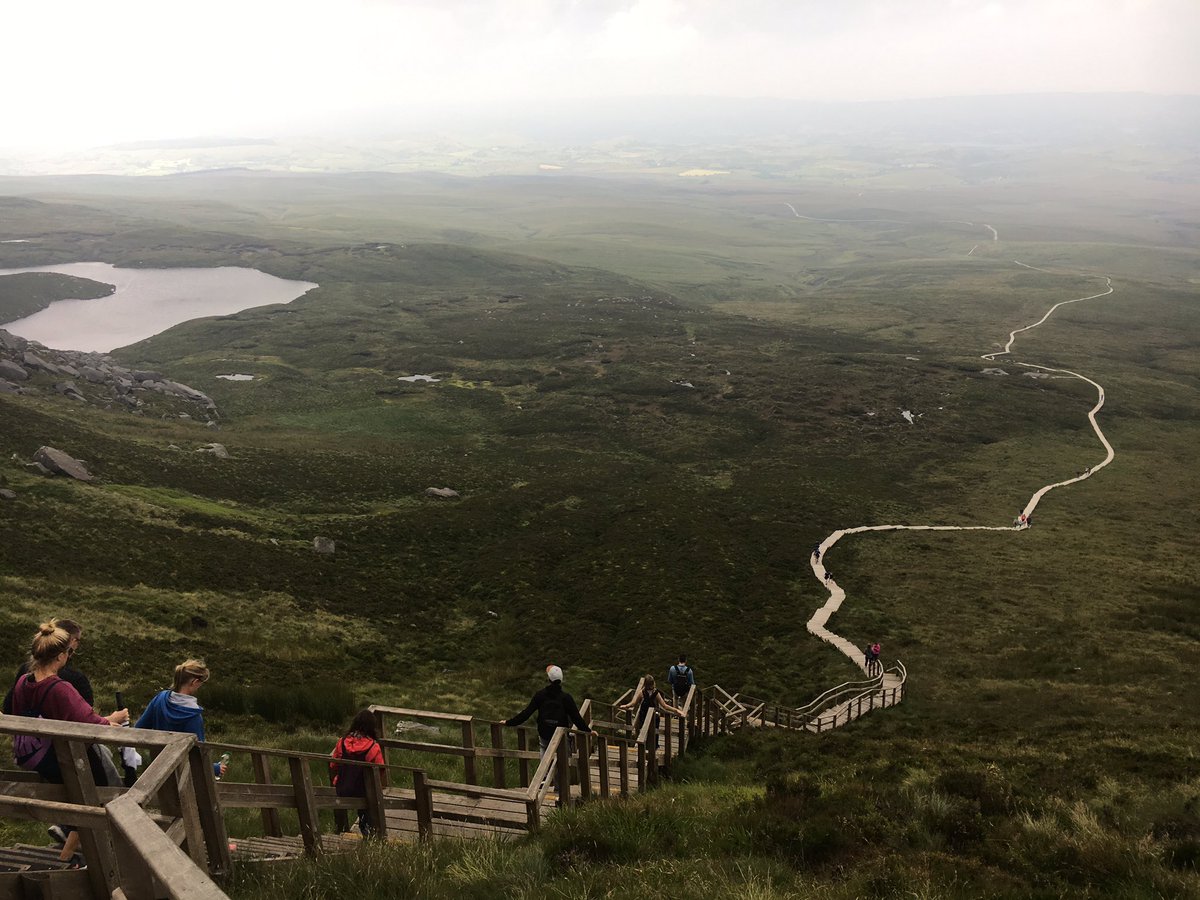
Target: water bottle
pixel 223 761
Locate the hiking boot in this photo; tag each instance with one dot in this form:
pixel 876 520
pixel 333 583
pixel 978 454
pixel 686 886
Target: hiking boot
pixel 57 834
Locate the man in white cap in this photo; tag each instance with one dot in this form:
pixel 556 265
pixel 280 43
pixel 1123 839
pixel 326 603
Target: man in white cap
pixel 555 709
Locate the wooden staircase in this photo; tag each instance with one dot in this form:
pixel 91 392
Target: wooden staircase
pixel 166 836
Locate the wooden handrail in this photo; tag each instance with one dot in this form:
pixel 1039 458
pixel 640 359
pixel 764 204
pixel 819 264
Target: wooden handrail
pixel 94 734
pixel 305 754
pixel 420 714
pixel 182 878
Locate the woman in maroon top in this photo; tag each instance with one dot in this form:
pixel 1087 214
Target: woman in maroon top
pixel 57 699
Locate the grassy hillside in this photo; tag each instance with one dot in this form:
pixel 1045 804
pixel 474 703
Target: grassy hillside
pixel 653 403
pixel 28 292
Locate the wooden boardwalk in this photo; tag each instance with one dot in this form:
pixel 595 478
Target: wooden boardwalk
pixel 166 836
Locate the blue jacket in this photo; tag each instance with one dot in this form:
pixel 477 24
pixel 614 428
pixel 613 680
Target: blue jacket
pixel 163 715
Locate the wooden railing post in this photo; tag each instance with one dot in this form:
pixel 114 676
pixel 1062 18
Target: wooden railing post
pixel 376 805
pixel 177 798
pixel 498 762
pixel 602 759
pixel 137 882
pixel 306 805
pixel 468 742
pixel 585 766
pixel 262 775
pixel 379 730
pixel 623 762
pixel 563 769
pixel 81 788
pixel 424 798
pixel 523 764
pixel 668 744
pixel 208 806
pixel 641 766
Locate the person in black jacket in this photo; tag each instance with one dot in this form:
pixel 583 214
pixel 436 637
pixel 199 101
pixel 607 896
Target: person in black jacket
pixel 555 709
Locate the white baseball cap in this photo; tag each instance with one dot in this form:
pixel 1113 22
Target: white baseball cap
pixel 554 673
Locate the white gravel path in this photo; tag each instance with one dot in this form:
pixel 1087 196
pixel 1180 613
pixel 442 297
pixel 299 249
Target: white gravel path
pixel 817 624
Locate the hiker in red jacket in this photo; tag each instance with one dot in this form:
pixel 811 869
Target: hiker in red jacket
pixel 359 743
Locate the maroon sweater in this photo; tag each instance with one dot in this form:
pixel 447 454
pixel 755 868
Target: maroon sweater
pixel 62 703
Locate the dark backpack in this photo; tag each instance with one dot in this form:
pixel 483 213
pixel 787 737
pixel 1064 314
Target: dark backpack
pixel 679 680
pixel 29 750
pixel 352 780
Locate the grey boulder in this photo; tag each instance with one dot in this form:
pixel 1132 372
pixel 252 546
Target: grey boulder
pixel 62 464
pixel 11 371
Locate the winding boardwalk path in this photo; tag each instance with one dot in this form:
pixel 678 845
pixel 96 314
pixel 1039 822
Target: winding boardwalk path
pixel 817 624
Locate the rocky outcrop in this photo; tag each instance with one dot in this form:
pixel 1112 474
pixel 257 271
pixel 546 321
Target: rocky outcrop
pixel 442 493
pixel 58 463
pixel 100 379
pixel 325 546
pixel 11 371
pixel 217 450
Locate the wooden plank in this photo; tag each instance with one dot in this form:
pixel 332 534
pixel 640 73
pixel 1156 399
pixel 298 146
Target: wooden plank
pixel 208 808
pixel 166 862
pixel 498 775
pixel 81 788
pixel 602 760
pixel 424 800
pixel 404 713
pixel 306 805
pixel 468 742
pixel 178 791
pixel 523 760
pixel 585 767
pixel 376 802
pixel 262 775
pixel 563 768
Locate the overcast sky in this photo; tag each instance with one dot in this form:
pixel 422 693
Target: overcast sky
pixel 81 73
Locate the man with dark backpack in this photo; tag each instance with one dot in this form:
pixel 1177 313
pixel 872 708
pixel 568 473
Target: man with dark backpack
pixel 555 709
pixel 360 743
pixel 681 678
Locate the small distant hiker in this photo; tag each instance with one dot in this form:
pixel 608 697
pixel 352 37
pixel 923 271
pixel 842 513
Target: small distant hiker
pixel 828 576
pixel 816 552
pixel 871 654
pixel 359 743
pixel 555 709
pixel 681 677
pixel 649 701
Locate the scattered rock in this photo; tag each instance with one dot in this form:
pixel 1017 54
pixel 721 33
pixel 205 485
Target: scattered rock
pixel 6 494
pixel 95 376
pixel 325 546
pixel 7 387
pixel 68 389
pixel 174 447
pixel 414 727
pixel 199 622
pixel 12 371
pixel 12 342
pixel 217 450
pixel 994 372
pixel 60 463
pixel 33 361
pixel 442 493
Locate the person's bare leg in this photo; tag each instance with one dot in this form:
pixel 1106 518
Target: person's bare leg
pixel 70 847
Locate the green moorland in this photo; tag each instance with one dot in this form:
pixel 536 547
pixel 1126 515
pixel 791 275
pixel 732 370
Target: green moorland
pixel 25 293
pixel 653 399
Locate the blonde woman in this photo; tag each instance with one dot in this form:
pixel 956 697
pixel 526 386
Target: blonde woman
pixel 178 709
pixel 42 692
